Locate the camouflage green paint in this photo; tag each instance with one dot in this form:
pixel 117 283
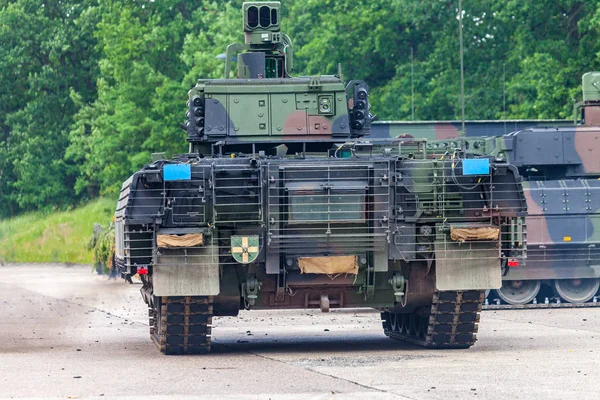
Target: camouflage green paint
pixel 563 211
pixel 291 109
pixel 566 152
pixel 537 228
pixel 572 151
pixel 590 82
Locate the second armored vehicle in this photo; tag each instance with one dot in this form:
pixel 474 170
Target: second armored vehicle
pixel 561 170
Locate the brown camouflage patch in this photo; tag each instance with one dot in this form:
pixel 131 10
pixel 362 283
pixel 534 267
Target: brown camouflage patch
pixel 592 116
pixel 295 123
pixel 446 131
pixel 318 125
pixel 587 144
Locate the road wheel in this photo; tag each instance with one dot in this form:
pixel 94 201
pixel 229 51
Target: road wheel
pixel 519 292
pixel 576 290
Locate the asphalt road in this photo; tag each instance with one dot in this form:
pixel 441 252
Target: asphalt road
pixel 66 333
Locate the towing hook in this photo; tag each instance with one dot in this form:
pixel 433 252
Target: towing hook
pixel 250 290
pixel 398 284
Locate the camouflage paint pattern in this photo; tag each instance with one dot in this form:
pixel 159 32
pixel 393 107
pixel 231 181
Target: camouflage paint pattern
pixel 440 130
pixel 237 109
pixel 561 151
pixel 561 168
pixel 563 229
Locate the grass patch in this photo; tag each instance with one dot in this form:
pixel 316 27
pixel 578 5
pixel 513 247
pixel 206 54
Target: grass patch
pixel 53 237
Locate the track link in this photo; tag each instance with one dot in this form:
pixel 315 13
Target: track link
pixel 449 323
pixel 182 325
pixel 531 306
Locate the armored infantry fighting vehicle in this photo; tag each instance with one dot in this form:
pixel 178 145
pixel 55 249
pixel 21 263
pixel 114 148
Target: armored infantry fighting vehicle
pixel 283 202
pixel 561 170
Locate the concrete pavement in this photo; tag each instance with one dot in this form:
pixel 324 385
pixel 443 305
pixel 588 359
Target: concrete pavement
pixel 67 333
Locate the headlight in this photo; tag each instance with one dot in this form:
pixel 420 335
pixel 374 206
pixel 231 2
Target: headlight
pixel 326 105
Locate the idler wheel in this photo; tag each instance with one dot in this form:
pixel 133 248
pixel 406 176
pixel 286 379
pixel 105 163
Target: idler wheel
pixel 576 290
pixel 519 292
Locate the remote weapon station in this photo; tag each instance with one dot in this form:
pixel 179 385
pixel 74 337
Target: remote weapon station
pixel 283 202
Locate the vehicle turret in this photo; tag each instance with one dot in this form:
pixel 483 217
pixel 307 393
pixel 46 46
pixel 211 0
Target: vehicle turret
pixel 264 106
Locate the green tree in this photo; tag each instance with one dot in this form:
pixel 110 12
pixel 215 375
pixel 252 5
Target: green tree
pixel 531 52
pixel 47 49
pixel 89 89
pixel 151 57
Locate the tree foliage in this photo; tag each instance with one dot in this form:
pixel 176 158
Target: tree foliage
pixel 46 50
pixel 88 89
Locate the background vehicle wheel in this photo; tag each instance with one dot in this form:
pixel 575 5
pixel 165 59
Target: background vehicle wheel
pixel 519 292
pixel 576 290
